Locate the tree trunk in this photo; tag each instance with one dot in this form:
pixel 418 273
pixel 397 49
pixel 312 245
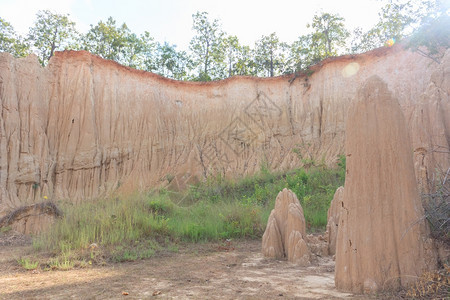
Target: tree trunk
pixel 271 65
pixel 206 58
pixel 328 43
pixel 52 50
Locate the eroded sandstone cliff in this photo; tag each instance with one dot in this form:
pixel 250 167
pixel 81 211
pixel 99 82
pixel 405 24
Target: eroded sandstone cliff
pixel 84 126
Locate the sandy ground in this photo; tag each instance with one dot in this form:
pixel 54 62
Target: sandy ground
pixel 205 271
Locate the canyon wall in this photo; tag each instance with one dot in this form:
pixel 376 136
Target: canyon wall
pixel 84 126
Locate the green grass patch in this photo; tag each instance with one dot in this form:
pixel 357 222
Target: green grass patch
pixel 137 227
pixel 314 188
pixel 207 221
pixel 106 222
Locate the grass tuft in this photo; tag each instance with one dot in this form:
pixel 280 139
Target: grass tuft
pixel 28 264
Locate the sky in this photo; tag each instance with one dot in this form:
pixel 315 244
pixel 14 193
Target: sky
pixel 171 20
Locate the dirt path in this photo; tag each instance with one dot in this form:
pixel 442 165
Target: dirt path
pixel 201 272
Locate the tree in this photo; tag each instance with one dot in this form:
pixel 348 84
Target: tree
pixel 171 63
pixel 120 44
pixel 363 41
pixel 329 35
pixel 239 59
pixel 139 52
pixel 231 48
pixel 300 55
pixel 245 62
pixel 269 56
pixel 206 47
pixel 11 42
pixel 51 32
pixel 398 19
pixel 395 18
pixel 432 38
pixel 107 40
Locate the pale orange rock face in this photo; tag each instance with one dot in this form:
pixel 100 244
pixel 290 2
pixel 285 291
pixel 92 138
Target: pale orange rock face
pixel 333 219
pixel 83 127
pixel 286 230
pixel 382 233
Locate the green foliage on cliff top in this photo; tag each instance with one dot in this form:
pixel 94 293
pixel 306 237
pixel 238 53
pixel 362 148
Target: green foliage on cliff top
pixel 214 54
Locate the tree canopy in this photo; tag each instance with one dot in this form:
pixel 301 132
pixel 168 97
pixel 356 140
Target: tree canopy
pixel 269 56
pixel 11 42
pixel 206 47
pixel 329 35
pixel 51 32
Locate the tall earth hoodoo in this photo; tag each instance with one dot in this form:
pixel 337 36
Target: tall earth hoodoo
pixel 286 230
pixel 381 241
